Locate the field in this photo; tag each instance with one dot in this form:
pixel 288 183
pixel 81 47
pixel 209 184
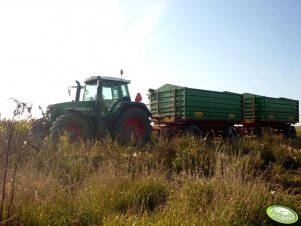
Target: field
pixel 179 181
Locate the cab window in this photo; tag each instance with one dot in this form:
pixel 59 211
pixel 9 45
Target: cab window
pixel 107 93
pixel 90 92
pixel 124 90
pixel 110 92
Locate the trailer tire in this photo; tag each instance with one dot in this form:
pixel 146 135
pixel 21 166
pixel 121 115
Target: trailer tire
pixel 194 131
pixel 75 125
pixel 266 131
pixel 230 134
pixel 290 132
pixel 133 125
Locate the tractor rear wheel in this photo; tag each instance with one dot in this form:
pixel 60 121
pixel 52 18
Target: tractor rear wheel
pixel 132 125
pixel 75 125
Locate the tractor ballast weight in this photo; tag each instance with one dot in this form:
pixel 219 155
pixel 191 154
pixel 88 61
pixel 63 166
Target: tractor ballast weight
pixel 104 107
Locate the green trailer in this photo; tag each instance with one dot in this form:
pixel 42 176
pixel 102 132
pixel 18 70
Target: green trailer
pixel 177 108
pixel 268 109
pixel 196 110
pixel 268 112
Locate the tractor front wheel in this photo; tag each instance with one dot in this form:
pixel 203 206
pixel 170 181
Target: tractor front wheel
pixel 74 125
pixel 132 125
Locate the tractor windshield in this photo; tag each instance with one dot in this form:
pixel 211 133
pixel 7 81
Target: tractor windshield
pixel 90 92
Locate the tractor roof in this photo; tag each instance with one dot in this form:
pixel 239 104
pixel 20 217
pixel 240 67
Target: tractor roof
pixel 107 78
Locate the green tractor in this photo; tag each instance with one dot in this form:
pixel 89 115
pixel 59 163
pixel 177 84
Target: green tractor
pixel 104 107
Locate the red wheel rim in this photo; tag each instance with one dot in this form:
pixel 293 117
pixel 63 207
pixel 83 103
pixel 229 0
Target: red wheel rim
pixel 74 131
pixel 134 128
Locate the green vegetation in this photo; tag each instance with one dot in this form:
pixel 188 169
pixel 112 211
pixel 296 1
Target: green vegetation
pixel 177 181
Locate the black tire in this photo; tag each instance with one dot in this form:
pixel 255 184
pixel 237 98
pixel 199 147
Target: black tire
pixel 290 132
pixel 133 125
pixel 75 125
pixel 38 131
pixel 266 131
pixel 194 131
pixel 230 134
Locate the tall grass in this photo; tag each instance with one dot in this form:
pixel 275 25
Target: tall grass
pixel 177 181
pixel 298 130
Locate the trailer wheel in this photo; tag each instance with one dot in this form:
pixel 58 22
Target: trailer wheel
pixel 133 123
pixel 76 126
pixel 266 131
pixel 230 134
pixel 290 132
pixel 194 131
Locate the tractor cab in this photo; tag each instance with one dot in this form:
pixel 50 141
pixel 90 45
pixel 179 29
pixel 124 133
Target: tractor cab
pixel 106 90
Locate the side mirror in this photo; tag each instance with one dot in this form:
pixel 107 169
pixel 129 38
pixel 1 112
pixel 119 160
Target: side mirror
pixel 69 90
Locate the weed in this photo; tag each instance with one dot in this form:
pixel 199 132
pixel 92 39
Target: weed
pixel 181 180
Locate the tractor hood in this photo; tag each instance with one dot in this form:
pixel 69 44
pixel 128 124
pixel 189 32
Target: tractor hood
pixel 55 110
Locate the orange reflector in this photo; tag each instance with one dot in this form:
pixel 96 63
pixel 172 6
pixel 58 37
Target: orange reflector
pixel 138 97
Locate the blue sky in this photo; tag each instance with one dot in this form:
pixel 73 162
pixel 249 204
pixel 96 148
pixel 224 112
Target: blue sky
pixel 239 46
pixel 235 45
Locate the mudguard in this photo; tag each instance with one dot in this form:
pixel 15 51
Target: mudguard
pixel 122 106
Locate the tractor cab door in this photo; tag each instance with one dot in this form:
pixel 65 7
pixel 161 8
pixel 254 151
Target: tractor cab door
pixel 110 95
